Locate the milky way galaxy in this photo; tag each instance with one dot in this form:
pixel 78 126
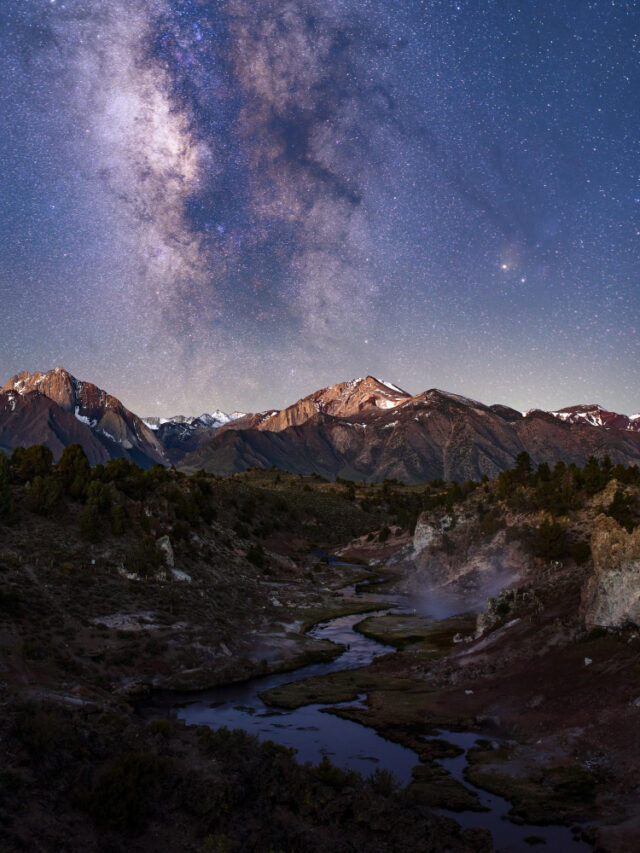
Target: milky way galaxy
pixel 232 203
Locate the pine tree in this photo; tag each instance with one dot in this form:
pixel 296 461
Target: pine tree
pixel 74 471
pixel 30 462
pixel 593 478
pixel 44 495
pixel 90 523
pixel 523 467
pixel 620 509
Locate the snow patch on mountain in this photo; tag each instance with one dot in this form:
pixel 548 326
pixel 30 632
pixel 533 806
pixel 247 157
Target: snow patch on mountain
pixel 83 419
pixel 393 387
pixel 596 416
pixel 575 417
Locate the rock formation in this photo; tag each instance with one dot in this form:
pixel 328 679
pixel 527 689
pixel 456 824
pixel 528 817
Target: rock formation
pixel 611 595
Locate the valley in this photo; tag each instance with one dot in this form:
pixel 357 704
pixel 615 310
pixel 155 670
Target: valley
pixel 319 426
pixel 498 615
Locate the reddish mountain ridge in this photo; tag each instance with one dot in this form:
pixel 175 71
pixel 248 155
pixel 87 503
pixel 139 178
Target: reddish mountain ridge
pixel 362 429
pixel 597 416
pixel 32 418
pixel 95 419
pixel 342 400
pixel 359 430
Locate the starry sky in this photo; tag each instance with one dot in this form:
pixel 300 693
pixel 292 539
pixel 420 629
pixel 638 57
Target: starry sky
pixel 232 203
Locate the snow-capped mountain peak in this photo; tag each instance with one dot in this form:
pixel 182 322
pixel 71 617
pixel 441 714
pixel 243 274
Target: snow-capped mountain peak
pixel 212 420
pixel 596 415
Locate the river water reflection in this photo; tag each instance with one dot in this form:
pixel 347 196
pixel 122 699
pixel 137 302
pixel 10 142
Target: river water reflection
pixel 315 734
pixel 311 732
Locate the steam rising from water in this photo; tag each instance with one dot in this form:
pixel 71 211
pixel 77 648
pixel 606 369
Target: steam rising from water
pixel 465 594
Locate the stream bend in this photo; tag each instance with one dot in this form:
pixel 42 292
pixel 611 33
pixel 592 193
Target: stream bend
pixel 350 745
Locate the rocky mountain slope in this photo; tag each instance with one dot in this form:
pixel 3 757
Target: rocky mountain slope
pixel 363 429
pixel 32 418
pixel 595 415
pixel 366 430
pixel 67 410
pixel 344 400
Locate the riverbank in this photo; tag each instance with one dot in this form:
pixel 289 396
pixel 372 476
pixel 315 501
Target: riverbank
pixel 110 779
pixel 83 638
pixel 313 711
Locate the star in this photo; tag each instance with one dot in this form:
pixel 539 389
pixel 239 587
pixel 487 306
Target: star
pixel 163 157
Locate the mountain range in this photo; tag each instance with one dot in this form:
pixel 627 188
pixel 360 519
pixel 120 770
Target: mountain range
pixel 365 429
pixel 180 434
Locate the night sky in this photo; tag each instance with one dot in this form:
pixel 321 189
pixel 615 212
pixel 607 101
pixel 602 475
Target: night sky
pixel 233 203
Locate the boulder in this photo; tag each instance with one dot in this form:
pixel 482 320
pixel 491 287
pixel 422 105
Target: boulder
pixel 429 529
pixel 164 545
pixel 611 595
pixel 180 576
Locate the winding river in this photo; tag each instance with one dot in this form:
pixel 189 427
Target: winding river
pixel 315 734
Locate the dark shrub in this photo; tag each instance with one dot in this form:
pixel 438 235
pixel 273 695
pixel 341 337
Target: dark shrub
pixel 334 777
pixel 181 531
pixel 384 534
pixel 620 509
pixel 256 555
pixel 549 541
pixel 90 523
pixel 118 519
pixel 44 495
pixel 99 495
pixel 145 558
pixel 594 479
pixel 491 523
pixel 383 782
pixel 74 471
pixel 121 797
pixel 580 551
pixel 7 506
pixel 30 462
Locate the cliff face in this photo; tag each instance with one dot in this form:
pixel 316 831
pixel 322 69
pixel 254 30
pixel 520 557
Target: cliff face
pixel 611 595
pixel 455 567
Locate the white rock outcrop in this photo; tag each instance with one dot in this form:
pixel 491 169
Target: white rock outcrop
pixel 428 530
pixel 611 595
pixel 164 545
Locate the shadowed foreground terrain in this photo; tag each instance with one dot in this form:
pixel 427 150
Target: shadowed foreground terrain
pixel 116 582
